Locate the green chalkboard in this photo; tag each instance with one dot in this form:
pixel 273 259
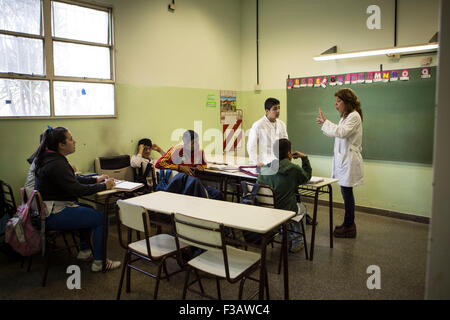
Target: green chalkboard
pixel 398 123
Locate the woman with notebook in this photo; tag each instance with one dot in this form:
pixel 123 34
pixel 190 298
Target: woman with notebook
pixel 60 187
pixel 347 161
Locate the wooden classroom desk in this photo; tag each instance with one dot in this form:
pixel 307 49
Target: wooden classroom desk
pixel 230 214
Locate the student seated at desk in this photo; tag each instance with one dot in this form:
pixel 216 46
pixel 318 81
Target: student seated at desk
pixel 187 158
pixel 60 187
pixel 142 159
pixel 286 181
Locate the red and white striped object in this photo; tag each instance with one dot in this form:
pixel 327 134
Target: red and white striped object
pixel 232 136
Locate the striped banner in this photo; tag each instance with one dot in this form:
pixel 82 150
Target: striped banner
pixel 232 136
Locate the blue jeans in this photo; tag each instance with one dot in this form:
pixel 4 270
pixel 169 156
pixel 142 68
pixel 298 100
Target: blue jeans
pixel 349 203
pixel 214 193
pixel 82 217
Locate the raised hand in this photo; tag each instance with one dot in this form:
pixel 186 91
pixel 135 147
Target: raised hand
pixel 321 119
pixel 298 154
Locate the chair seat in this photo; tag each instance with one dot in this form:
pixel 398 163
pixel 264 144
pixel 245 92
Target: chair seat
pixel 212 262
pixel 160 245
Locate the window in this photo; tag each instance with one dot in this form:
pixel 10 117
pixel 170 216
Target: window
pixel 56 59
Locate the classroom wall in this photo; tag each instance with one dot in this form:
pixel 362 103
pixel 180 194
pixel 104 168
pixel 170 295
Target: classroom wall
pixel 291 32
pixel 166 66
pixel 437 285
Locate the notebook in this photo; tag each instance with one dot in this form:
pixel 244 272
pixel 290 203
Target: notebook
pixel 127 185
pixel 314 180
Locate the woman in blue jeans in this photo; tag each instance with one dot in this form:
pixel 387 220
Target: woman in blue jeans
pixel 347 163
pixel 60 188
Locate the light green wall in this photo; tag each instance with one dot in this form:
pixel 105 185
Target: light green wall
pixel 143 112
pixel 293 31
pixel 167 64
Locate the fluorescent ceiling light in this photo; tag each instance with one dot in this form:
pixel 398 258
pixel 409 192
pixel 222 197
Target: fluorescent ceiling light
pixel 375 52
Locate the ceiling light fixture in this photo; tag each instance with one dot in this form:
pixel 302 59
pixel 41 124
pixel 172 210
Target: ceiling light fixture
pixel 327 55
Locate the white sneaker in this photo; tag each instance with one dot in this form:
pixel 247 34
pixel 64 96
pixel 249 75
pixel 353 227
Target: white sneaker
pixel 85 255
pixel 110 265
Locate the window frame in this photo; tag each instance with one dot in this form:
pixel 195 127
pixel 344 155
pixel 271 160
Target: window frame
pixel 46 35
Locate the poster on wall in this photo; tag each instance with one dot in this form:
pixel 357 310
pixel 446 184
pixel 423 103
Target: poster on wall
pixel 356 78
pixel 227 101
pixel 333 81
pixel 425 73
pixel 405 75
pixel 211 101
pixel 394 75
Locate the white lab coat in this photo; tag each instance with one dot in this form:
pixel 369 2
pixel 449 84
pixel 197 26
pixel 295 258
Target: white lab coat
pixel 347 161
pixel 263 135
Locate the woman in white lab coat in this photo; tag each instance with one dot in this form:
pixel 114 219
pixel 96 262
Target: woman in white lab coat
pixel 347 161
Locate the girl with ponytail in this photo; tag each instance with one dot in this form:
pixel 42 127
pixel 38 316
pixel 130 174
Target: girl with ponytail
pixel 347 164
pixel 60 188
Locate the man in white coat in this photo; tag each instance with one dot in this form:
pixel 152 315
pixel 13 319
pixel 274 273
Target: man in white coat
pixel 262 137
pixel 264 133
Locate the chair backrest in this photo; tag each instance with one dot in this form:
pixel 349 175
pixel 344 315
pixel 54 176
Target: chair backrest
pixel 131 216
pixel 265 196
pixel 200 233
pixel 117 167
pixel 134 218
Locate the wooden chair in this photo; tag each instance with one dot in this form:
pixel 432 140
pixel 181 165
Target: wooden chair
pixel 266 198
pixel 219 260
pixel 153 249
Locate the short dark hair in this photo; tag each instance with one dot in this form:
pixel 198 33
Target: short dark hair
pixel 189 136
pixel 281 148
pixel 270 102
pixel 146 142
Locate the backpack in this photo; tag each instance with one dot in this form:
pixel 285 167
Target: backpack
pixel 163 180
pixel 20 233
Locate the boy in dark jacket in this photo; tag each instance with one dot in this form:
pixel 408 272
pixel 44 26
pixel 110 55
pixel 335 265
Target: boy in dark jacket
pixel 286 180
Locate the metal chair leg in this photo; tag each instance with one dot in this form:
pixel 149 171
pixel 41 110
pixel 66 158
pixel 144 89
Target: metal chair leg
pixel 241 288
pixel 158 278
pixel 186 282
pixel 219 296
pixel 304 239
pixel 125 263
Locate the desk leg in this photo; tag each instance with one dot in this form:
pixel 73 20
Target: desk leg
pixel 262 274
pixel 284 249
pixel 313 232
pixel 105 233
pixel 330 204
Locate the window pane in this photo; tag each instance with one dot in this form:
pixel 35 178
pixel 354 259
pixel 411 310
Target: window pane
pixel 21 55
pixel 78 98
pixel 21 16
pixel 24 98
pixel 79 23
pixel 76 60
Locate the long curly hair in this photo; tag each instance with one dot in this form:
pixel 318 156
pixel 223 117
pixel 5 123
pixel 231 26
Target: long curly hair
pixel 351 101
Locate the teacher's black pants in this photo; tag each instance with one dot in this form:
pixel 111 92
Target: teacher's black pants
pixel 349 203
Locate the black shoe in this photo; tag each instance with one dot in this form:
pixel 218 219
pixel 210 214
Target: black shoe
pixel 346 232
pixel 309 220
